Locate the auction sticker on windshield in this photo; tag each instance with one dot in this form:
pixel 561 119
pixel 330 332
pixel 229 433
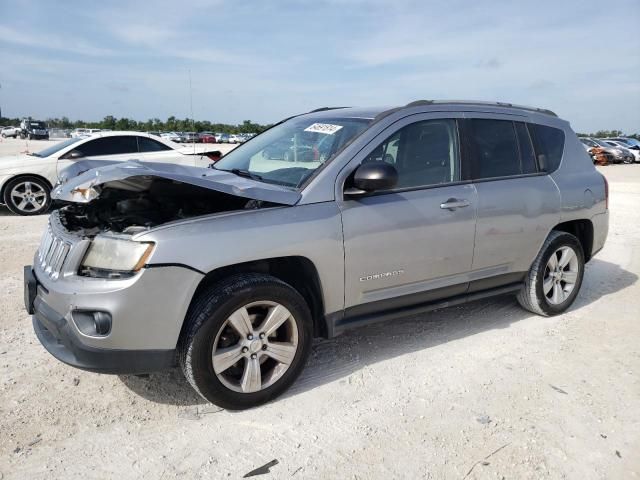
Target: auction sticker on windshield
pixel 326 128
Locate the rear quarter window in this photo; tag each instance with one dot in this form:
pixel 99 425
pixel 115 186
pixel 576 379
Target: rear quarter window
pixel 548 143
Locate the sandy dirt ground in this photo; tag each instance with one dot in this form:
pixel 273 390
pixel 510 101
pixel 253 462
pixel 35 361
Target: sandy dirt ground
pixel 484 390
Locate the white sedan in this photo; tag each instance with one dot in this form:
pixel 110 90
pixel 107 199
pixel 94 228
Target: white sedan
pixel 26 179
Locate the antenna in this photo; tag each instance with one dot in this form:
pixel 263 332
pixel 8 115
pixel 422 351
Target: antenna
pixel 193 124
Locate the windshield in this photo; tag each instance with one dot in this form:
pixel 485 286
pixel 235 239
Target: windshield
pixel 56 148
pixel 289 153
pixel 37 124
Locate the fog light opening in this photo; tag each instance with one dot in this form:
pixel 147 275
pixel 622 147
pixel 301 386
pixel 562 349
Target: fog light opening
pixel 94 324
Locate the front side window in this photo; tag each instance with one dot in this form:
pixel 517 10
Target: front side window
pixel 150 145
pixel 496 148
pixel 424 153
pixel 289 153
pixel 116 145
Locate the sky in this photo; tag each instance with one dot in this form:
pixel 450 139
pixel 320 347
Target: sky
pixel 266 60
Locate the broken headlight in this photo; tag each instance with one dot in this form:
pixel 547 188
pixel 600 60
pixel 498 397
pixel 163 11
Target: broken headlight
pixel 115 257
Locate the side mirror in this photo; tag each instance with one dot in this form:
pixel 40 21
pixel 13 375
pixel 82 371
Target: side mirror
pixel 373 176
pixel 73 155
pixel 214 156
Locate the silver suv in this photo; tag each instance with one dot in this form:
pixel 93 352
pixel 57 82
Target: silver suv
pixel 329 220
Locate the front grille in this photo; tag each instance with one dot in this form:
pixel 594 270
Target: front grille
pixel 52 253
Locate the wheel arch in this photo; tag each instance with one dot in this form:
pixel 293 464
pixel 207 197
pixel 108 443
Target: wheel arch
pixel 582 229
pixel 297 271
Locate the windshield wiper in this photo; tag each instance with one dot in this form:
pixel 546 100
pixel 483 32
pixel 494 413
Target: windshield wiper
pixel 244 173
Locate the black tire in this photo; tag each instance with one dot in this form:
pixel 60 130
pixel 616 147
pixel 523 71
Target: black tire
pixel 207 316
pixel 532 296
pixel 14 207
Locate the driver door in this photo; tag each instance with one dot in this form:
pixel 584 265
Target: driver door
pixel 411 244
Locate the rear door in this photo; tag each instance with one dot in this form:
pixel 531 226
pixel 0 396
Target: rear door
pixel 518 202
pixel 413 243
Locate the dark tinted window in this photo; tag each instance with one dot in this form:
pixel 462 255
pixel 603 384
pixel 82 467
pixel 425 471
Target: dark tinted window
pixel 109 146
pixel 527 156
pixel 549 145
pixel 424 153
pixel 496 148
pixel 150 145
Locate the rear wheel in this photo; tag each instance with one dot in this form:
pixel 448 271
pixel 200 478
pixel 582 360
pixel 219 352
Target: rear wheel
pixel 246 340
pixel 555 277
pixel 27 196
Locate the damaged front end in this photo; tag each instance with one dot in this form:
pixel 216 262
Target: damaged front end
pixel 131 197
pixel 105 208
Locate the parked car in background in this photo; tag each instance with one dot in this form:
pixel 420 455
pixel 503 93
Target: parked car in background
pixel 207 137
pixel 10 132
pixel 86 132
pixel 222 138
pixel 602 151
pixel 171 136
pixel 57 133
pixel 628 154
pixel 79 132
pixel 190 137
pixel 33 129
pixel 26 180
pixel 235 138
pixel 401 221
pixel 630 143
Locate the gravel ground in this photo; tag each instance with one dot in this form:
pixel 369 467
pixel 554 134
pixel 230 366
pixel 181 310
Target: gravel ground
pixel 485 390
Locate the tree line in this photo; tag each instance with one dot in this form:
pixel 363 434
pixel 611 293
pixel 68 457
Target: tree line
pixel 610 134
pixel 171 124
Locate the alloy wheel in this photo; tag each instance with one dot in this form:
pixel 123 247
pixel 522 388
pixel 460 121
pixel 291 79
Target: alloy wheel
pixel 560 275
pixel 28 196
pixel 255 347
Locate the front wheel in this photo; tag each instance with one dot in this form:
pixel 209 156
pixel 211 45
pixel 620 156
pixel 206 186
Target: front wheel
pixel 27 196
pixel 246 340
pixel 555 277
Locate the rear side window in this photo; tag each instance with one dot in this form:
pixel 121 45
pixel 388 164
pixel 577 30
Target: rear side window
pixel 549 145
pixel 496 148
pixel 115 145
pixel 527 155
pixel 150 145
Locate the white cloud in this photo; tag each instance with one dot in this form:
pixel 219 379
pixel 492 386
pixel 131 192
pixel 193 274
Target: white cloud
pixel 66 43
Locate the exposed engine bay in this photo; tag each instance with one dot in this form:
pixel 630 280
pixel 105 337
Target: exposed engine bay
pixel 136 204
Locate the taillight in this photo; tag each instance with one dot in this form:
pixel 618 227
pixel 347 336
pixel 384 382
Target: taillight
pixel 606 192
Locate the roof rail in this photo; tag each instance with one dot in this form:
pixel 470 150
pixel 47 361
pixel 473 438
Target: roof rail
pixel 417 103
pixel 323 109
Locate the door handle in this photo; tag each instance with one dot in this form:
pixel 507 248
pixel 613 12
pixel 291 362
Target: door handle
pixel 454 203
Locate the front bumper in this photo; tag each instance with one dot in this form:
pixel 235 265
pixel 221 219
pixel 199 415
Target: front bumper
pixel 147 313
pixel 59 339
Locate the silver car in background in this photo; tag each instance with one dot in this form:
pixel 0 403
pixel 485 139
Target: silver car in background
pixel 364 215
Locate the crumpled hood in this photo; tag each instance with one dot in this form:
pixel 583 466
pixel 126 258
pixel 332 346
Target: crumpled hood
pixel 82 189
